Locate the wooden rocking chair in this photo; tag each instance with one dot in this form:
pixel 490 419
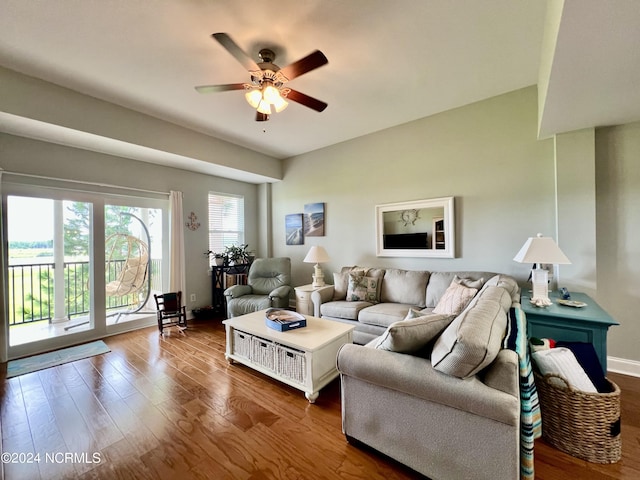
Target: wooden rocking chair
pixel 171 311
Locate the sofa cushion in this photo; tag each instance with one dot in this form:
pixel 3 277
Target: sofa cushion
pixel 404 286
pixel 506 282
pixel 440 281
pixel 469 282
pixel 413 313
pixel 408 336
pixel 491 292
pixel 383 314
pixel 341 280
pixel 362 288
pixel 455 299
pixel 471 341
pixel 343 309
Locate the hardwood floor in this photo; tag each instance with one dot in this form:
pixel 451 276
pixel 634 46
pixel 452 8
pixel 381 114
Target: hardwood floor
pixel 174 408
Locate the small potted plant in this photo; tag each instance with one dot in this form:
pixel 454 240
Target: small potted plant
pixel 237 254
pixel 218 258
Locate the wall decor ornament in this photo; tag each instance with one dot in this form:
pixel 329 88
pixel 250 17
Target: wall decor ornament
pixel 409 216
pixel 192 224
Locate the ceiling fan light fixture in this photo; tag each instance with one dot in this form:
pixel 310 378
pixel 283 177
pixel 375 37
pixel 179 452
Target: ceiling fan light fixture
pixel 280 104
pixel 264 107
pixel 270 94
pixel 253 97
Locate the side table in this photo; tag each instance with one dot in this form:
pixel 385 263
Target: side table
pixel 570 324
pixel 304 305
pixel 218 283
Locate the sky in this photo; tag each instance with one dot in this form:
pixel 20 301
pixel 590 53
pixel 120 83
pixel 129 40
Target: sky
pixel 29 219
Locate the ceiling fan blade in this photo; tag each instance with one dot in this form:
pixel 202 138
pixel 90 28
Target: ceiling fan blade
pixel 304 65
pixel 220 88
pixel 261 117
pixel 306 100
pixel 239 54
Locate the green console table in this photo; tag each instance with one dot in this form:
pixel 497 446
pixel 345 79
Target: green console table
pixel 570 324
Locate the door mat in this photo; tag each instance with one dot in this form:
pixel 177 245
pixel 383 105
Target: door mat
pixel 58 357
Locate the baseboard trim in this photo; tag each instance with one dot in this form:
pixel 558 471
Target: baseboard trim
pixel 623 366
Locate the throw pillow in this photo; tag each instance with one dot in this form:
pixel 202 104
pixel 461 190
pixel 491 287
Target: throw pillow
pixel 455 299
pixel 469 282
pixel 413 313
pixel 408 336
pixel 362 289
pixel 341 281
pixel 472 341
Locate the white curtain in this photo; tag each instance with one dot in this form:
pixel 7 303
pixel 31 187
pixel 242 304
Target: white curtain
pixel 4 326
pixel 177 277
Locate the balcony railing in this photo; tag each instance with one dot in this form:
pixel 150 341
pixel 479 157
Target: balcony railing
pixel 31 289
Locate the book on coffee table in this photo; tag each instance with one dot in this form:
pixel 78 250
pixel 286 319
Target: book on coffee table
pixel 284 320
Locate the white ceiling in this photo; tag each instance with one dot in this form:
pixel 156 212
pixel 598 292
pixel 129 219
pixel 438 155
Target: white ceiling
pixel 389 62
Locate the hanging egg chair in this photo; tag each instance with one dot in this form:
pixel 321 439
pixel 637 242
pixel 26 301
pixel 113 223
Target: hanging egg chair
pixel 129 256
pixel 133 255
pixel 127 259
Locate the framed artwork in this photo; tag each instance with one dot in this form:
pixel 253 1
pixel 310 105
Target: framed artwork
pixel 314 220
pixel 293 229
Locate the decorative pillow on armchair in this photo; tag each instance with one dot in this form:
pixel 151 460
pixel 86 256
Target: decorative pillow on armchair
pixel 455 299
pixel 362 288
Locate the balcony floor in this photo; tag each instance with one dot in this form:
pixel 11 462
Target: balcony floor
pixel 35 331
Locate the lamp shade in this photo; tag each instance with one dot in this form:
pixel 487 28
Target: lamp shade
pixel 539 250
pixel 317 255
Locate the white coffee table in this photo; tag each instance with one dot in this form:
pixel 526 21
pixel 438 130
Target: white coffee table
pixel 304 358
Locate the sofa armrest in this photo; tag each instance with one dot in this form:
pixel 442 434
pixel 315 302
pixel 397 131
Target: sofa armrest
pixel 415 376
pixel 504 373
pixel 320 296
pixel 236 291
pixel 283 291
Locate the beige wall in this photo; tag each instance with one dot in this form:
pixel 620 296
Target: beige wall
pixel 485 154
pixel 618 234
pixel 576 207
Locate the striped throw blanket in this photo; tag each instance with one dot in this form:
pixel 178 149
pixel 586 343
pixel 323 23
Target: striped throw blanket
pixel 530 420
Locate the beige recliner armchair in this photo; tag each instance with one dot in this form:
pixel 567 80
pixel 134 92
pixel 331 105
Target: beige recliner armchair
pixel 268 285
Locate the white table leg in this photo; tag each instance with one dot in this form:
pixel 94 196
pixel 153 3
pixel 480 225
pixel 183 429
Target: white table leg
pixel 312 396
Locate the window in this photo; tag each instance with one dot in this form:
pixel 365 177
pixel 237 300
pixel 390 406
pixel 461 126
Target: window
pixel 226 221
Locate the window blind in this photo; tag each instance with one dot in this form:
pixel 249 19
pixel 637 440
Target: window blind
pixel 226 221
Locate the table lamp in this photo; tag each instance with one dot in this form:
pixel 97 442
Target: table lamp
pixel 317 255
pixel 539 250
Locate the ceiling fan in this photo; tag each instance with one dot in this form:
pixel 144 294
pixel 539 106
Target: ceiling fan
pixel 266 89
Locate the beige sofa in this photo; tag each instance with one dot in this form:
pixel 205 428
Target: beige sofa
pixel 440 395
pixel 397 291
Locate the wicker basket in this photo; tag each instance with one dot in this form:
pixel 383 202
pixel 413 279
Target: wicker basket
pixel 242 344
pixel 585 425
pixel 291 364
pixel 263 353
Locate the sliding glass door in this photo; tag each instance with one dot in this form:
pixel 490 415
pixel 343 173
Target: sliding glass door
pixel 134 252
pixel 79 265
pixel 49 264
